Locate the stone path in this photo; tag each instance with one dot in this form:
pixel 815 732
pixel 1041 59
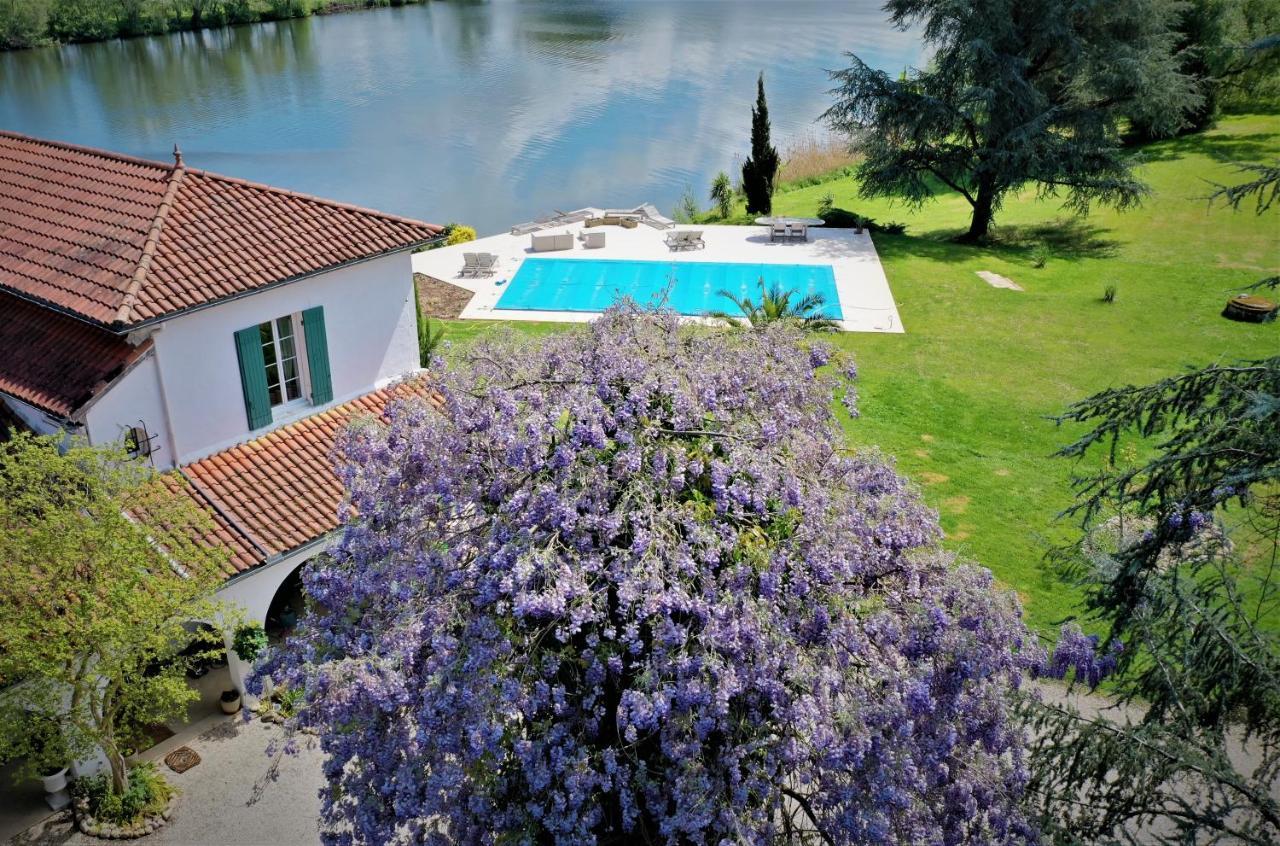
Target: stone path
pixel 228 798
pixel 995 280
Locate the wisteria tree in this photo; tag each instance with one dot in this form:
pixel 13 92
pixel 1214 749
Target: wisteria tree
pixel 628 585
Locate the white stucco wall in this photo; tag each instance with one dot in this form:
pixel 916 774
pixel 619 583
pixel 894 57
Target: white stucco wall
pixel 252 593
pixel 372 334
pixel 36 420
pixel 134 397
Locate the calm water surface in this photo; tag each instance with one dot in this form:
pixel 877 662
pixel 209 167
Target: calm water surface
pixel 484 113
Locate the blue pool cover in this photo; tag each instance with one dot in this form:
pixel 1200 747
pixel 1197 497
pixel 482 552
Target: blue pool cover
pixel 556 284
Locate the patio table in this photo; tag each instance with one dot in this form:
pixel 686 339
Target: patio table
pixel 794 227
pixel 793 221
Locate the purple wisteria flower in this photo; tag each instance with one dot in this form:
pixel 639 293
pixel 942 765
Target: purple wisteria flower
pixel 627 585
pixel 1079 655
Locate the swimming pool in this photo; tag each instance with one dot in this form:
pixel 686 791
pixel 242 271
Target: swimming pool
pixel 556 284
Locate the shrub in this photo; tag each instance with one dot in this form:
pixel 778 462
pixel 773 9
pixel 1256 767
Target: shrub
pixel 148 793
pixel 826 205
pixel 23 23
pixel 287 700
pixel 628 580
pixel 46 750
pixel 722 194
pixel 1039 256
pixel 836 218
pixel 81 20
pixel 688 211
pixel 1109 294
pixel 280 9
pixel 843 219
pixel 430 336
pixel 239 11
pixel 249 641
pixel 459 234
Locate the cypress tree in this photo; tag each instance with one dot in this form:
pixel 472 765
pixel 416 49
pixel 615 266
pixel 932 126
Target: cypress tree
pixel 761 169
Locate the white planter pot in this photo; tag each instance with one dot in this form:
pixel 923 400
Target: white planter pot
pixel 57 781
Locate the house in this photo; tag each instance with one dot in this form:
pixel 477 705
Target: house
pixel 221 329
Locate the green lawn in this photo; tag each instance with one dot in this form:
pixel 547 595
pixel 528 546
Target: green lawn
pixel 961 399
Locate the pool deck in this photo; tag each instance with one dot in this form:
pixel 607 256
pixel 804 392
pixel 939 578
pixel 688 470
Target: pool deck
pixel 865 299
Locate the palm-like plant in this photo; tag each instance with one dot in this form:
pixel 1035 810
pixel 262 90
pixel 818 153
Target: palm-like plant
pixel 776 305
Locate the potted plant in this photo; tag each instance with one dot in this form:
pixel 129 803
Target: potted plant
pixel 230 701
pixel 53 777
pixel 52 756
pixel 249 641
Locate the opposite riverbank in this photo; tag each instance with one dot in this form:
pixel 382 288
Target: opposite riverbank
pixel 26 24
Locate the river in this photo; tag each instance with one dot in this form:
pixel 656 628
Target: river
pixel 488 113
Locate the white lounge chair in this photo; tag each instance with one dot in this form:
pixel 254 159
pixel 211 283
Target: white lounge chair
pixel 686 240
pixel 486 264
pixel 592 240
pixel 470 261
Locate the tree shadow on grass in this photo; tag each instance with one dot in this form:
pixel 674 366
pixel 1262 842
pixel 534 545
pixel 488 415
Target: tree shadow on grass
pixel 1069 239
pixel 1221 148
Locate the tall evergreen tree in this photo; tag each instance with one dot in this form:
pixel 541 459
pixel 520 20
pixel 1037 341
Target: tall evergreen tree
pixel 1018 92
pixel 1193 595
pixel 761 169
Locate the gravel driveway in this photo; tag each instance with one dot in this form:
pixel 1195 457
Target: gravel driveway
pixel 228 798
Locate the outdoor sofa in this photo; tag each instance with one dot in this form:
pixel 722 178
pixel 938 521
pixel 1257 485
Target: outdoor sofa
pixel 548 243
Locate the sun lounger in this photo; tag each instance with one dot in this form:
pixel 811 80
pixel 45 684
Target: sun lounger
pixel 592 240
pixel 655 218
pixel 778 232
pixel 686 240
pixel 486 264
pixel 470 261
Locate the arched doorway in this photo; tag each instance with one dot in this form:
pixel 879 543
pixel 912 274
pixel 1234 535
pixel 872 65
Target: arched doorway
pixel 286 606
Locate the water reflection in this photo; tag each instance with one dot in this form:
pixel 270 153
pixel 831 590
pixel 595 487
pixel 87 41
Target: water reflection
pixel 482 112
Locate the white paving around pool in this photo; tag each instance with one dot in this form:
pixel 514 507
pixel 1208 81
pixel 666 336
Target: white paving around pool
pixel 865 299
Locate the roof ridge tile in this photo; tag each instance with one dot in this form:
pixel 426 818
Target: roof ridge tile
pixel 149 248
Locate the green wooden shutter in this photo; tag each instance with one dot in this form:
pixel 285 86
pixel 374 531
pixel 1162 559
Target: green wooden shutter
pixel 317 355
pixel 253 377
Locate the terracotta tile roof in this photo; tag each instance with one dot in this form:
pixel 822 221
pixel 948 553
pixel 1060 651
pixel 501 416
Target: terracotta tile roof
pixel 279 492
pixel 122 241
pixel 55 362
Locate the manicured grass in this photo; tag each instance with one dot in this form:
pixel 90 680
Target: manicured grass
pixel 962 399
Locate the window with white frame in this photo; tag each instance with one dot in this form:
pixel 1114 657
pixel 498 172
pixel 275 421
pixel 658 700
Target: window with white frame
pixel 282 358
pixel 284 363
